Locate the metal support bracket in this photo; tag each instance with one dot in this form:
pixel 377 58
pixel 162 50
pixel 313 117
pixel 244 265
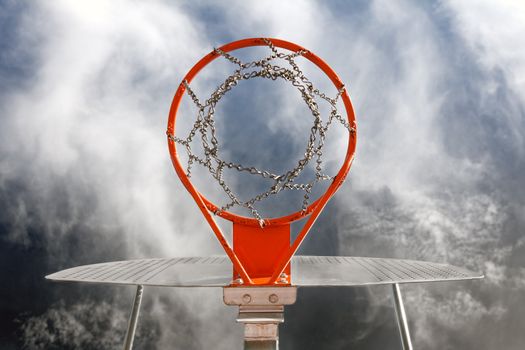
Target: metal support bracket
pixel 133 318
pixel 401 316
pixel 260 310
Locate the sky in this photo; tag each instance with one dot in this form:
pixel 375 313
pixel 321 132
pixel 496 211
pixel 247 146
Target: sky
pixel 85 176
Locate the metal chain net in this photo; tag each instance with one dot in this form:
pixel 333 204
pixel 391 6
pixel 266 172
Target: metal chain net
pixel 204 126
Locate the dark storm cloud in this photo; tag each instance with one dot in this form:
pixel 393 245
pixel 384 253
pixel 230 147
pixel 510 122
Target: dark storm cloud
pixel 85 176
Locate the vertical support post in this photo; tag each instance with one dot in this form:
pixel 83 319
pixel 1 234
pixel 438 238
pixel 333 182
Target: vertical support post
pixel 261 310
pixel 261 329
pixel 132 325
pixel 401 318
pixel 261 345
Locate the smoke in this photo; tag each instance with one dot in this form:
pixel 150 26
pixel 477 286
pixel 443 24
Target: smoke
pixel 85 174
pixel 86 325
pixel 93 112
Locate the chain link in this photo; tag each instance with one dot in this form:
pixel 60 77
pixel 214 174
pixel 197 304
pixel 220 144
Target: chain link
pixel 205 126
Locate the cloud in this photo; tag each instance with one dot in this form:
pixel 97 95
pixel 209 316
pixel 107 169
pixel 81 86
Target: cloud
pixel 93 181
pixel 439 320
pixel 93 114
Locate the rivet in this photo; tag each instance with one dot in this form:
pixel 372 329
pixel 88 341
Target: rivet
pixel 246 298
pixel 273 298
pixel 283 278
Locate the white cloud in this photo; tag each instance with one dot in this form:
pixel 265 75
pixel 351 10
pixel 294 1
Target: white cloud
pixel 493 30
pixel 97 109
pixel 456 311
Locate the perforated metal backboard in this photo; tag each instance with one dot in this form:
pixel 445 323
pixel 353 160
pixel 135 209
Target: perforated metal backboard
pixel 307 271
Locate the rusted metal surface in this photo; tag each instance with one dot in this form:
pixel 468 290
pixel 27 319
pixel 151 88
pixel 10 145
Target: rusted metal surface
pixel 261 331
pixel 261 325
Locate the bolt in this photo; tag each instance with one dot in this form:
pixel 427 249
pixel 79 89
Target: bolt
pixel 283 278
pixel 273 298
pixel 246 298
pixel 238 281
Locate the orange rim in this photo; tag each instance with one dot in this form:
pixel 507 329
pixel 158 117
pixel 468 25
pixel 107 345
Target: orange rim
pixel 339 178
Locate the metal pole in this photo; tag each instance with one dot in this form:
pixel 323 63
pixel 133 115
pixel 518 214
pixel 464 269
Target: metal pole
pixel 261 345
pixel 401 318
pixel 260 334
pixel 132 325
pixel 261 326
pixel 261 310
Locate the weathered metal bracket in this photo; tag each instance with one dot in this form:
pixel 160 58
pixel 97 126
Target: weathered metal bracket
pixel 261 309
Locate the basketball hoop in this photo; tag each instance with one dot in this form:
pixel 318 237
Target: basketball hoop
pixel 261 246
pixel 262 256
